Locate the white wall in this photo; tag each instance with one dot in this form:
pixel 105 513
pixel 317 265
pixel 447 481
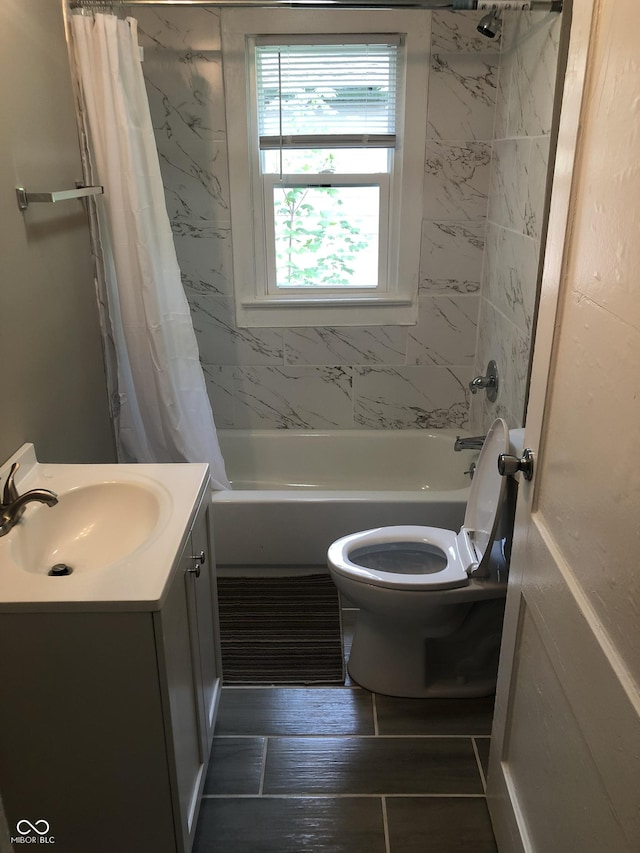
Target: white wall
pixel 52 391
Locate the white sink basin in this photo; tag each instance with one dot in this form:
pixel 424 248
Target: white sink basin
pixel 120 530
pixel 89 528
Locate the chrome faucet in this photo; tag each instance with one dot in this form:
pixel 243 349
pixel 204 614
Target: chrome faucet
pixel 490 382
pixel 471 442
pixel 480 382
pixel 13 504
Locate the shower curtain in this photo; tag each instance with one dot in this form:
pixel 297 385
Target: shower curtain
pixel 164 411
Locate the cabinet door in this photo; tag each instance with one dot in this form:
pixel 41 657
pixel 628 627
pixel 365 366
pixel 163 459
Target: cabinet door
pixel 204 598
pixel 183 697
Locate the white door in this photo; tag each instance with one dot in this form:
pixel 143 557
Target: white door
pixel 564 772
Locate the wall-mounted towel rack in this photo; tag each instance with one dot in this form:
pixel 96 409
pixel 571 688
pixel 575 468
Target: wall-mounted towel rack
pixel 25 198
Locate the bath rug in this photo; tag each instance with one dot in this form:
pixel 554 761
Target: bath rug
pixel 283 630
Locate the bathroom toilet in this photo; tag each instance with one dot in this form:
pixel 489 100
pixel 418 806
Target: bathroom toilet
pixel 431 601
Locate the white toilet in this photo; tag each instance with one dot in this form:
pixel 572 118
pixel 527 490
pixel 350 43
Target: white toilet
pixel 431 601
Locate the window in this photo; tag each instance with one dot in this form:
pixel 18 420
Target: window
pixel 326 155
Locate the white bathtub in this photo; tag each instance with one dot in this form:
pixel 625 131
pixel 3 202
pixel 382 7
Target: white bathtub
pixel 294 492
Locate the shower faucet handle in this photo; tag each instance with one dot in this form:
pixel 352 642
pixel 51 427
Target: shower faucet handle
pixel 489 382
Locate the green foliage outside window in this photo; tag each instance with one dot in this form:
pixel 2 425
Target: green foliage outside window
pixel 317 241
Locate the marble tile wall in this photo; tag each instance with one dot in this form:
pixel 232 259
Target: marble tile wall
pixel 524 112
pixel 342 377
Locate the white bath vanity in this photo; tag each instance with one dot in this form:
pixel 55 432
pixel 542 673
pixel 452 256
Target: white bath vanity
pixel 111 674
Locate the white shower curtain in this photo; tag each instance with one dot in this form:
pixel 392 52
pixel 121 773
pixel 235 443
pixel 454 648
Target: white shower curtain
pixel 165 414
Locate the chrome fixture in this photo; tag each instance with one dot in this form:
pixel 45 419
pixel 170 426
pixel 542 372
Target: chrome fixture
pixel 25 198
pixel 470 442
pixel 509 465
pixel 13 505
pixel 489 382
pixel 490 25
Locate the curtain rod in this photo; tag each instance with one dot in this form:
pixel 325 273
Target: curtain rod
pixel 456 5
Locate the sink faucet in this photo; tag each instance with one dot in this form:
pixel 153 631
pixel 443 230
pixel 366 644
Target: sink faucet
pixel 13 504
pixel 472 442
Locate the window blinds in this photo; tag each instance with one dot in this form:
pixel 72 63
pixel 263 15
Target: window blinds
pixel 327 95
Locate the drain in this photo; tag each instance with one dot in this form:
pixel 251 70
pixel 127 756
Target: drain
pixel 59 570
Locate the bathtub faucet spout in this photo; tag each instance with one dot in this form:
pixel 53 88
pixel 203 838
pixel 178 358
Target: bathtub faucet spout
pixel 472 442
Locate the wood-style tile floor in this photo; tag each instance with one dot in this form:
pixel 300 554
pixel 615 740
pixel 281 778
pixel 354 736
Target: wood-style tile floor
pixel 342 770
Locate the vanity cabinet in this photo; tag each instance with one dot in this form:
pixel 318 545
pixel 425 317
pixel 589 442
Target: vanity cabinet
pixel 107 715
pixel 189 665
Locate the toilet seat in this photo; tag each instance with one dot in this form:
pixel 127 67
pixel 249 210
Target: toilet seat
pixel 464 551
pixel 456 553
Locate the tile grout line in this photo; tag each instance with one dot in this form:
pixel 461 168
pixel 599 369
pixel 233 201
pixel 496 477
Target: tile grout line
pixel 323 795
pixel 374 707
pixel 385 826
pixel 352 735
pixel 263 769
pixel 479 763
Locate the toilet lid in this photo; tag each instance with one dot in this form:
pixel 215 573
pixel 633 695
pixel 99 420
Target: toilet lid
pixel 487 490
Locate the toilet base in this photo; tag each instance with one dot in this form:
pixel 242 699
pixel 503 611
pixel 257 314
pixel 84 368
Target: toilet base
pixel 402 660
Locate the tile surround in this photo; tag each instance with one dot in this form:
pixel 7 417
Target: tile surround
pixel 219 340
pixel 169 74
pixel 510 283
pixel 346 345
pixel 196 180
pixel 179 29
pixel 372 377
pixel 521 150
pixel 293 397
pixel 451 256
pixel 535 40
pixel 462 93
pixel 446 331
pixel 456 181
pixel 258 377
pixel 536 186
pixel 416 396
pixel 499 338
pixel 204 256
pixel 452 32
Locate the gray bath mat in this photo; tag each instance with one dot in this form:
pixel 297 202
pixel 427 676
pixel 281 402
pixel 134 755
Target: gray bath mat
pixel 282 630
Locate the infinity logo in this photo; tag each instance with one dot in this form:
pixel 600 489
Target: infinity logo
pixel 41 827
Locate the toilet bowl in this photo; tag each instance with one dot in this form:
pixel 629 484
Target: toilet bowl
pixel 431 601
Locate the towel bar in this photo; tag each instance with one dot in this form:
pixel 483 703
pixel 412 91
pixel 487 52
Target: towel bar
pixel 25 198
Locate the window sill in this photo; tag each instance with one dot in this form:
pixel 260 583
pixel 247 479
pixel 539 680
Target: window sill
pixel 323 311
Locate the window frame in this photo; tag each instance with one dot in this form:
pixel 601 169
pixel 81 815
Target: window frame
pixel 394 301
